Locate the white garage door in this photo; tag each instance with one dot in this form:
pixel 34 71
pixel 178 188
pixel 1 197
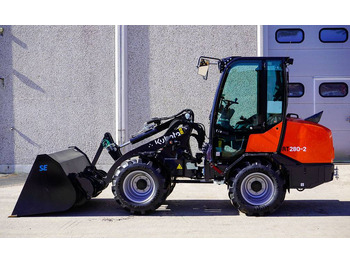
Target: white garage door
pixel 319 77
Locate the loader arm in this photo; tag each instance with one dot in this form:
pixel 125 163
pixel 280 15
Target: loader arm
pixel 168 146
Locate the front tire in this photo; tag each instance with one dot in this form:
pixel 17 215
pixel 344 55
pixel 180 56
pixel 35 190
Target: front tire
pixel 257 190
pixel 139 188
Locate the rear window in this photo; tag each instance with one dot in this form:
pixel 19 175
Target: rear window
pixel 333 89
pixel 333 35
pixel 296 89
pixel 289 35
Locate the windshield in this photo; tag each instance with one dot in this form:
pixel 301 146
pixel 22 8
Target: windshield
pixel 239 98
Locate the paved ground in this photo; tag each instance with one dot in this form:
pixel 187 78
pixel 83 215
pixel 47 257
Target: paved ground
pixel 190 211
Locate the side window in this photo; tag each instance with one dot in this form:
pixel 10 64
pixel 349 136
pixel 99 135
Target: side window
pixel 289 36
pixel 333 35
pixel 333 89
pixel 238 108
pixel 275 92
pixel 296 90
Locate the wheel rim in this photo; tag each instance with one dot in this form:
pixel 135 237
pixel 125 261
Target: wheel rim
pixel 257 189
pixel 139 187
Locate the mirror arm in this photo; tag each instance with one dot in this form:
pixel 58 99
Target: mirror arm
pixel 209 58
pixel 204 62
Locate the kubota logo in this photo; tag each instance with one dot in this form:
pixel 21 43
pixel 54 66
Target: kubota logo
pixel 163 139
pixel 42 168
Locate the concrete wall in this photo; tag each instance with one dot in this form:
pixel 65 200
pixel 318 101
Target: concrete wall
pixel 59 82
pixel 58 91
pixel 162 76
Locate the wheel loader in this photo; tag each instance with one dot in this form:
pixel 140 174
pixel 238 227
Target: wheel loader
pixel 253 147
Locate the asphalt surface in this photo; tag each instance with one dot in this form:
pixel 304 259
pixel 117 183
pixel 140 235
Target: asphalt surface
pixel 191 211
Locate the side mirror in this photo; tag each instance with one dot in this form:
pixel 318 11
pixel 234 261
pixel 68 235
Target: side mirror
pixel 203 68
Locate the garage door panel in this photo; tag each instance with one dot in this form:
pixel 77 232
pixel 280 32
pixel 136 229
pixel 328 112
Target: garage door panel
pixel 308 83
pixel 341 142
pixel 335 116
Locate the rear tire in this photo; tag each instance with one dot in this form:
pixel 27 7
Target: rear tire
pixel 139 188
pixel 257 190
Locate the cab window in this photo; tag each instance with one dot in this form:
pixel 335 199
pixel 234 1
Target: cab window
pixel 238 107
pixel 275 92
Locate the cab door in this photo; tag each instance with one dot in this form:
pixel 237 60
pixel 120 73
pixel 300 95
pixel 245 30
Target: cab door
pixel 250 101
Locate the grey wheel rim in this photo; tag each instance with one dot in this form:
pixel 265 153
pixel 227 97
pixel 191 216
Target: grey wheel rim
pixel 257 189
pixel 139 187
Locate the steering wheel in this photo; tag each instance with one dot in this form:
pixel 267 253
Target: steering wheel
pixel 245 123
pixel 228 103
